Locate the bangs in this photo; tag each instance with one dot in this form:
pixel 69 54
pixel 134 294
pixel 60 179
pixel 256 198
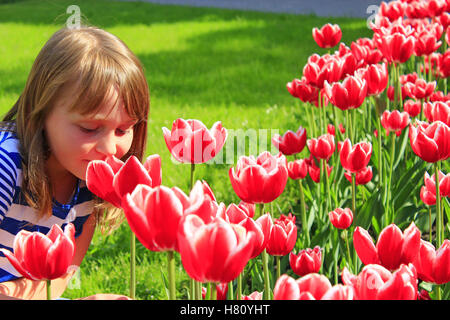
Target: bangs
pixel 98 74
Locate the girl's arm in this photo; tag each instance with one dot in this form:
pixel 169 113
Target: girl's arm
pixel 37 289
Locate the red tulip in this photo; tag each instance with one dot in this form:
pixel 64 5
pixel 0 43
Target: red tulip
pixel 412 107
pixel 249 208
pixel 426 43
pixel 153 215
pixel 297 169
pixel 405 91
pixel 357 157
pixel 430 141
pixel 393 247
pixel 447 36
pixel 221 289
pixel 376 76
pixel 234 214
pixel 255 295
pixel 392 10
pixel 349 94
pixel 436 7
pixel 291 142
pixel 328 36
pixel 190 141
pixel 314 169
pixel 433 265
pixel 320 69
pixel 281 236
pixel 375 282
pixel 112 179
pixel 427 197
pixel 341 218
pixel 396 47
pixel 213 252
pixel 306 261
pixel 201 201
pixel 43 257
pixel 323 147
pixel 313 286
pixel 259 180
pixel 444 184
pixel 303 90
pixel 286 288
pixel 422 89
pixel 394 121
pixel 362 177
pixel 437 111
pixel 444 67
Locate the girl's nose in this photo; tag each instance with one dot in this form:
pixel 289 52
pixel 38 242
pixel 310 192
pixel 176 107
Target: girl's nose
pixel 107 144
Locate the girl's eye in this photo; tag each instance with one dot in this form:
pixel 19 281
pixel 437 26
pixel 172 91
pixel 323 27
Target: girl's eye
pixel 87 130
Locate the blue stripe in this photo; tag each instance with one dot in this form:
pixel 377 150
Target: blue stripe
pixel 10 163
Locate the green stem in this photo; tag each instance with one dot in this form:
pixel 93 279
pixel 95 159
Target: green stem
pixel 239 286
pixel 213 291
pixel 350 263
pixel 431 226
pixel 439 229
pixel 277 258
pixel 265 259
pixel 354 194
pixel 231 290
pixel 132 265
pixel 327 184
pixel 192 175
pixel 49 289
pixel 304 221
pixel 171 272
pixel 380 154
pixel 259 209
pixel 391 163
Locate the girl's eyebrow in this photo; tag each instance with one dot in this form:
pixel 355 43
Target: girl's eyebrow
pixel 98 119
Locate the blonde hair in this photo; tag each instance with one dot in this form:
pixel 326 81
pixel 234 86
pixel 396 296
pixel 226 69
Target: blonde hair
pixel 93 61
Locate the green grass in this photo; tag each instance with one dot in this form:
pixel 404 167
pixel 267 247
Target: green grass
pixel 202 63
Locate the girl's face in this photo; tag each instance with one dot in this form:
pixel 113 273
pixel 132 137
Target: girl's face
pixel 75 139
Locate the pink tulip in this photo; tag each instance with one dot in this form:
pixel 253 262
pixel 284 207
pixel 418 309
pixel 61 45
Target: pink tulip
pixel 430 141
pixel 213 252
pixel 291 142
pixel 259 180
pixel 286 288
pixel 43 257
pixel 362 177
pixel 412 107
pixel 236 215
pixel 313 286
pixel 341 218
pixel 298 169
pixel 281 236
pixel 349 94
pixel 153 215
pixel 437 111
pixel 328 36
pixel 355 158
pixel 322 147
pixel 392 249
pixel 375 282
pixel 306 261
pixel 190 141
pixel 112 179
pixel 376 76
pixel 394 121
pixel 433 265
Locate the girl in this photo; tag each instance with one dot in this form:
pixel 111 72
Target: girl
pixel 86 98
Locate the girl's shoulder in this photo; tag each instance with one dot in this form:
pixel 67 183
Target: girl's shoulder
pixel 9 149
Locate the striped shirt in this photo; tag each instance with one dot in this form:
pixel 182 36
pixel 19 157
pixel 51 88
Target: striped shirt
pixel 16 214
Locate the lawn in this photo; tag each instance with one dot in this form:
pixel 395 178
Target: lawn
pixel 202 63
